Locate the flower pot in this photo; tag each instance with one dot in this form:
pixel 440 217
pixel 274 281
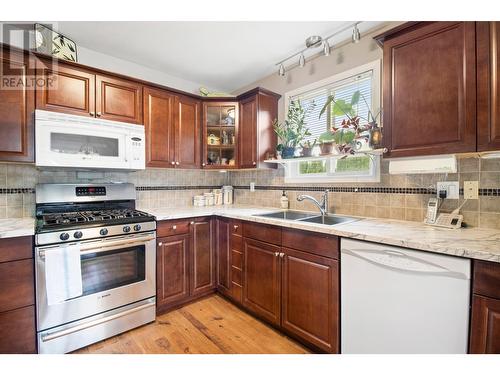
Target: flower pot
pixel 326 148
pixel 306 151
pixel 288 152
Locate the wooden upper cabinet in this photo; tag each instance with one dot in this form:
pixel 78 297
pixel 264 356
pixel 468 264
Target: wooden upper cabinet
pixel 258 110
pixel 248 132
pixel 262 280
pixel 67 90
pixel 118 99
pixel 429 88
pixel 202 263
pixel 17 103
pixel 488 86
pixel 187 132
pixel 159 127
pixel 310 298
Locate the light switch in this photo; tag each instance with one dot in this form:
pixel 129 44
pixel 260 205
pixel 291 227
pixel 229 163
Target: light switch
pixel 252 186
pixel 471 189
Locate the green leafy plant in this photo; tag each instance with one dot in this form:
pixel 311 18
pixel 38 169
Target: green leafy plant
pixel 293 130
pixel 326 137
pixel 309 144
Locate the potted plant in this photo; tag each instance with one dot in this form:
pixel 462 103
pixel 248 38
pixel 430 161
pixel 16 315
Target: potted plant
pixel 326 142
pixel 350 132
pixel 292 131
pixel 307 147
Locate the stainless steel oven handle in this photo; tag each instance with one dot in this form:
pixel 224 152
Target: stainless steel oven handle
pixel 102 245
pixel 64 332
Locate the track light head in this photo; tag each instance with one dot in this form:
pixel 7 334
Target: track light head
pixel 302 60
pixel 326 48
pixel 356 36
pixel 281 71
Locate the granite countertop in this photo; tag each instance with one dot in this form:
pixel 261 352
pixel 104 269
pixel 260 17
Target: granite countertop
pixel 475 243
pixel 17 227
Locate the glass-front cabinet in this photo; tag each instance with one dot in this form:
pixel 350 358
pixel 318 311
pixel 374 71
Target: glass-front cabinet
pixel 220 135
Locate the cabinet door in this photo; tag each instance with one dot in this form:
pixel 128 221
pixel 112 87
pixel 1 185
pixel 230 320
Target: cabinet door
pixel 202 262
pixel 17 103
pixel 248 132
pixel 118 99
pixel 485 325
pixel 430 90
pixel 187 134
pixel 172 283
pixel 310 298
pixel 66 90
pixel 488 86
pixel 18 331
pixel 159 127
pixel 262 279
pixel 223 234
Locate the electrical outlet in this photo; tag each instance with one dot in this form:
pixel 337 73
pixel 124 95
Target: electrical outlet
pixel 252 186
pixel 452 189
pixel 471 189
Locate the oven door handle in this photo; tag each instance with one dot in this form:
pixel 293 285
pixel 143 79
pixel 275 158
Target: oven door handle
pixel 80 327
pixel 101 245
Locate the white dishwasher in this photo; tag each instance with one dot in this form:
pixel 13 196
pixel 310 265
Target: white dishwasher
pixel 396 300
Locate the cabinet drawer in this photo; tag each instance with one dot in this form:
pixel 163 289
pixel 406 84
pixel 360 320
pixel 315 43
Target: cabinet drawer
pixel 237 259
pixel 237 292
pixel 236 227
pixel 262 232
pixel 237 243
pixel 172 228
pixel 487 278
pixel 311 242
pixel 16 284
pixel 16 248
pixel 18 331
pixel 236 275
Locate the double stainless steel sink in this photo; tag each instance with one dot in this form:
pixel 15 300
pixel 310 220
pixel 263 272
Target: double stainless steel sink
pixel 309 217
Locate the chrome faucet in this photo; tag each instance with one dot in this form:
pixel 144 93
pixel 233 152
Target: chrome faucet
pixel 323 206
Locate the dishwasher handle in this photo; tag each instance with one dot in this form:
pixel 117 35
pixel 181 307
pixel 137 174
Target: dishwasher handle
pixel 402 262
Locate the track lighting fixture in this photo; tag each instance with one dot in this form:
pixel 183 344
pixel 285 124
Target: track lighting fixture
pixel 316 41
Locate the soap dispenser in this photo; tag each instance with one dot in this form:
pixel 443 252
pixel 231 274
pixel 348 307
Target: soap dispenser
pixel 284 201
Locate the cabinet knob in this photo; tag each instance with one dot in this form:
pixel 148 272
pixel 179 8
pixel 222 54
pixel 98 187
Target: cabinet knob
pixel 276 254
pixel 235 227
pixel 174 227
pixel 203 164
pixel 254 163
pixel 92 114
pixel 192 223
pixel 177 163
pixel 99 114
pixel 172 162
pixel 282 255
pixel 160 244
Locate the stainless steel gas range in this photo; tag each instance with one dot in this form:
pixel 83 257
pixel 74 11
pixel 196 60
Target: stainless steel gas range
pixel 116 244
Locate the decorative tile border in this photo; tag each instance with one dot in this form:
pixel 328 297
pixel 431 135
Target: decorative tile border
pixel 333 189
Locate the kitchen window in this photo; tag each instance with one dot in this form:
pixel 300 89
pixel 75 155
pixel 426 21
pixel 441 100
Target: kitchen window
pixel 357 168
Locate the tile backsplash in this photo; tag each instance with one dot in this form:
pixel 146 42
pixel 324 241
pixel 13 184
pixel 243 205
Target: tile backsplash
pixel 401 197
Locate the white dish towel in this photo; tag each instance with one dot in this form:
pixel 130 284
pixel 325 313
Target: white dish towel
pixel 63 273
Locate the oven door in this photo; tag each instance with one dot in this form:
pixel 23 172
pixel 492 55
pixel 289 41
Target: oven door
pixel 76 142
pixel 115 272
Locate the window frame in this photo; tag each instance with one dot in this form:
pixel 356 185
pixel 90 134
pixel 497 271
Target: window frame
pixel 291 170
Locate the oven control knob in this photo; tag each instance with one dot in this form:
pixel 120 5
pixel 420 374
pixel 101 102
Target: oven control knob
pixel 126 229
pixel 64 236
pixel 78 235
pixel 103 232
pixel 137 227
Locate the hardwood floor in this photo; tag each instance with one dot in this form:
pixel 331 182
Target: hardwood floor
pixel 209 326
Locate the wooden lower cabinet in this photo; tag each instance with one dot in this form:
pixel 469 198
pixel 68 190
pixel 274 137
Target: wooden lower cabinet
pixel 202 259
pixel 223 249
pixel 172 283
pixel 262 280
pixel 18 331
pixel 309 301
pixel 185 261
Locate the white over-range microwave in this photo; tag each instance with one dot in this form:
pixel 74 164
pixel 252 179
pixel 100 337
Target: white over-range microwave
pixel 68 141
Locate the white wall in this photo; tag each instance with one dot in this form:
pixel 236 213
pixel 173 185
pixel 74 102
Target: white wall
pixel 343 57
pixel 113 64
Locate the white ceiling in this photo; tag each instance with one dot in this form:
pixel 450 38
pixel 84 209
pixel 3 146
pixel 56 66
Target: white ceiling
pixel 220 55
